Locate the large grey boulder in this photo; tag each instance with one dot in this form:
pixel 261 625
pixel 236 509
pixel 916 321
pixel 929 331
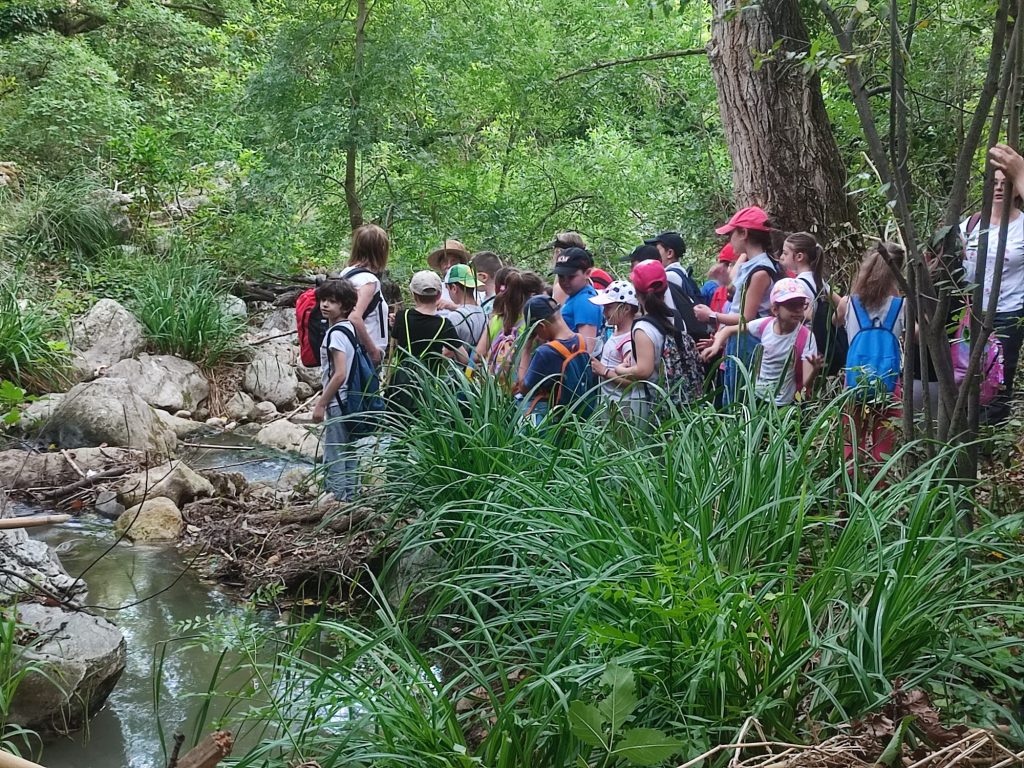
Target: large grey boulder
pixel 164 381
pixel 31 469
pixel 104 335
pixel 271 375
pixel 285 436
pixel 69 669
pixel 32 560
pixel 281 320
pixel 108 411
pixel 310 376
pixel 154 520
pixel 235 307
pixel 174 481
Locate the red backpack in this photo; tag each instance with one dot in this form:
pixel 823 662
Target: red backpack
pixel 312 327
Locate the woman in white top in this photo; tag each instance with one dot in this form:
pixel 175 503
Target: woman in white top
pixel 1010 302
pixel 369 259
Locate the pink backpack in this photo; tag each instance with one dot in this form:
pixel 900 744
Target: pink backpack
pixel 991 361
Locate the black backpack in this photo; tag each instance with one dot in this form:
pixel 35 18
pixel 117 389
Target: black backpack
pixel 685 297
pixel 377 302
pixel 832 342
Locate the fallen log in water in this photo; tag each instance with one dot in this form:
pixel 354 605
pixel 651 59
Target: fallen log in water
pixel 209 752
pixel 32 522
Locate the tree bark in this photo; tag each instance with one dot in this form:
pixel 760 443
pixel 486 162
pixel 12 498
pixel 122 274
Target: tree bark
pixel 355 206
pixel 784 154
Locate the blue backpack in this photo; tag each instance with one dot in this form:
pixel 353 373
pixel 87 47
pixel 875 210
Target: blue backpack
pixel 364 402
pixel 873 361
pixel 575 387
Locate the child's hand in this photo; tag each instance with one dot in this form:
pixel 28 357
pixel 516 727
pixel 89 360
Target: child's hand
pixel 711 351
pixel 600 369
pixel 319 411
pixel 816 361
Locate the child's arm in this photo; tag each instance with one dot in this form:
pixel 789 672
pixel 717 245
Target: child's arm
pixel 339 361
pixel 714 349
pixel 811 366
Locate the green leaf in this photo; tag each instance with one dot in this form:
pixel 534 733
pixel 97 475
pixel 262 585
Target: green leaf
pixel 586 723
pixel 894 749
pixel 862 6
pixel 581 763
pixel 646 746
pixel 621 702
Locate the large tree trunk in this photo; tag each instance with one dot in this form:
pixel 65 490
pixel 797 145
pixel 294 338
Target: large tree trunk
pixel 784 156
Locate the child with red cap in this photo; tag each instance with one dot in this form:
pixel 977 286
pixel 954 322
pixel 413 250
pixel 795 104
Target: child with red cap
pixel 790 360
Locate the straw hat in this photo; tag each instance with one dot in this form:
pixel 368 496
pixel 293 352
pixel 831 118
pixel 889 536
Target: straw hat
pixel 450 249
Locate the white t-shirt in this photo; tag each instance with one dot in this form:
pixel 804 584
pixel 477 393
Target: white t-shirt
pixel 377 321
pixel 776 378
pixel 815 292
pixel 675 272
pixel 743 274
pixel 617 350
pixel 469 321
pixel 1011 290
pixel 336 339
pixel 876 315
pixel 653 332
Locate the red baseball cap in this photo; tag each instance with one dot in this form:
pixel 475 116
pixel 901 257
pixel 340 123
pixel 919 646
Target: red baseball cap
pixel 600 279
pixel 748 218
pixel 649 276
pixel 727 254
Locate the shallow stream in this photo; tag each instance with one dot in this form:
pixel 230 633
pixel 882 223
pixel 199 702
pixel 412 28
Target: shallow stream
pixel 147 591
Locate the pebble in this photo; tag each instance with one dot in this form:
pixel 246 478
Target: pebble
pixel 216 421
pixel 183 414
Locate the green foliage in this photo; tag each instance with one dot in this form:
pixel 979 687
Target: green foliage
pixel 32 354
pixel 72 216
pixel 14 668
pixel 12 398
pixel 580 598
pixel 63 102
pixel 180 302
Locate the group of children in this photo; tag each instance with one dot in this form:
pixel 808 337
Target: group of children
pixel 620 347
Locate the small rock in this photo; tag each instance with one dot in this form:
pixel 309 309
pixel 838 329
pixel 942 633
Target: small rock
pixel 183 414
pixel 293 479
pixel 286 436
pixel 107 505
pixel 216 421
pixel 265 411
pixel 303 391
pixel 174 481
pixel 182 427
pixel 157 519
pixel 235 307
pixel 309 376
pixel 240 407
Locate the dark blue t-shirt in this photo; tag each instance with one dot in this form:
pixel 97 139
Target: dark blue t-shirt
pixel 546 366
pixel 578 309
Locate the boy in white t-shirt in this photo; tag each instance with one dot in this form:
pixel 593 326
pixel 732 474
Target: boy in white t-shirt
pixel 337 299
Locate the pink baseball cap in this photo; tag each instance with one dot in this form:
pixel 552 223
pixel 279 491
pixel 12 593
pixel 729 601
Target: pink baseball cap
pixel 649 276
pixel 788 289
pixel 727 254
pixel 748 218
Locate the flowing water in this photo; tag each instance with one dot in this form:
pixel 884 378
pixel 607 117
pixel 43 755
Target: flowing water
pixel 147 591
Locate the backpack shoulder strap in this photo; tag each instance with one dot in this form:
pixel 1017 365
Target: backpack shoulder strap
pixel 862 316
pixel 801 345
pixel 973 222
pixel 893 313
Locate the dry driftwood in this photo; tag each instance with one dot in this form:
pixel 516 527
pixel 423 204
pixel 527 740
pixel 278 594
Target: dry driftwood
pixel 208 752
pixel 85 482
pixel 32 522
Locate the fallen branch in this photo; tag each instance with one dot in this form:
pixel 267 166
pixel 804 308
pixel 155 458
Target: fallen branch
pixel 7 760
pixel 85 482
pixel 221 447
pixel 294 410
pixel 632 60
pixel 32 522
pixel 208 752
pixel 71 462
pixel 271 338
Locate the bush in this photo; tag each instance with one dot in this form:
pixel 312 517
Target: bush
pixel 31 352
pixel 181 304
pixel 727 561
pixel 70 216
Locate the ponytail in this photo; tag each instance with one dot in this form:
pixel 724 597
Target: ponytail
pixel 653 304
pixel 875 280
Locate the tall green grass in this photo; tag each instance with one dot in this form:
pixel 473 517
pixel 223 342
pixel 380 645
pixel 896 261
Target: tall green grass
pixel 32 353
pixel 179 299
pixel 728 561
